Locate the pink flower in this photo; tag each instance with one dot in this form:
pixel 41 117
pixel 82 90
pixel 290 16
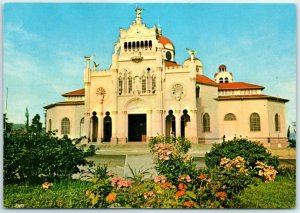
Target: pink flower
pixel 149 194
pixel 160 179
pixel 115 180
pixel 124 183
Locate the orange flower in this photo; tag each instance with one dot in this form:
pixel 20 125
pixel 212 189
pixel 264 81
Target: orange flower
pixel 111 197
pixel 222 195
pixel 182 186
pixel 166 185
pixel 202 176
pixel 188 204
pixel 179 193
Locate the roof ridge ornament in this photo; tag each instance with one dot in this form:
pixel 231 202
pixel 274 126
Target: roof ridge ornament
pixel 192 53
pixel 138 19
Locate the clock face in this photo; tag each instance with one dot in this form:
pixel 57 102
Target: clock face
pixel 168 55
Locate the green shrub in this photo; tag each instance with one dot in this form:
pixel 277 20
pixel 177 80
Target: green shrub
pixel 31 157
pixel 251 151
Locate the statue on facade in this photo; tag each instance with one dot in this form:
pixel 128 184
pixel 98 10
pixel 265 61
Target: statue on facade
pixel 117 47
pixel 192 53
pixel 95 65
pixel 139 12
pixel 138 19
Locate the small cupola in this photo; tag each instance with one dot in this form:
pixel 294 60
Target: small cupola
pixel 223 76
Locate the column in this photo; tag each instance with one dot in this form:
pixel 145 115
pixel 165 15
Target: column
pixel 87 126
pixel 114 139
pixel 193 134
pixel 163 122
pixel 178 122
pixel 149 124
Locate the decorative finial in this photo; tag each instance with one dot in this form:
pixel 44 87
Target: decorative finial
pixel 192 53
pixel 138 18
pixel 88 60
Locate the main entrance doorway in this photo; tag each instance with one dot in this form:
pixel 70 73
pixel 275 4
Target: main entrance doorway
pixel 137 127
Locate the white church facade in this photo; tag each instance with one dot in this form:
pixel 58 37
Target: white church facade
pixel 146 93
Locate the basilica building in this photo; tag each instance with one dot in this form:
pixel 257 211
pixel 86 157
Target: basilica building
pixel 146 93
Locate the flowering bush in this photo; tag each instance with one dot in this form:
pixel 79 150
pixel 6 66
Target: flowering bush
pixel 171 157
pixel 178 184
pixel 267 172
pixel 251 151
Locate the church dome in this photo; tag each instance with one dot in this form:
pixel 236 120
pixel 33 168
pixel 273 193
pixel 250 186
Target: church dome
pixel 167 43
pixel 196 60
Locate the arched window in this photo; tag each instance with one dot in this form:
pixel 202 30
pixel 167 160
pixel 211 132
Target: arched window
pixel 129 84
pixel 277 123
pixel 133 45
pixel 125 45
pixel 184 119
pixel 94 127
pixel 206 123
pixel 50 125
pixel 81 127
pixel 129 45
pixel 229 117
pixel 197 92
pixel 107 124
pixel 170 124
pixel 226 80
pixel 65 126
pixel 146 44
pixel 125 82
pixel 143 84
pixel 254 122
pixel 153 83
pixel 142 44
pixel 138 44
pixel 150 44
pixel 149 80
pixel 220 80
pixel 120 85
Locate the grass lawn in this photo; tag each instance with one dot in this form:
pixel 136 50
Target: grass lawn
pixel 278 194
pixel 64 194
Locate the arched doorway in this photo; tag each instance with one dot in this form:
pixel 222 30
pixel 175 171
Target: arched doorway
pixel 107 125
pixel 81 127
pixel 94 127
pixel 170 124
pixel 184 119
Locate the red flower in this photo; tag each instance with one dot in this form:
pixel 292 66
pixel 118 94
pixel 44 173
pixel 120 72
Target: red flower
pixel 166 185
pixel 202 176
pixel 222 195
pixel 188 204
pixel 182 186
pixel 180 193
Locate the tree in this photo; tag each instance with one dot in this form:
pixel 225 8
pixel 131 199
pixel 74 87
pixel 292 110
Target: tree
pixel 36 125
pixel 288 133
pixel 27 120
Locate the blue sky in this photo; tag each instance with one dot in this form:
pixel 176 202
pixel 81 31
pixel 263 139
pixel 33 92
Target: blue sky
pixel 44 45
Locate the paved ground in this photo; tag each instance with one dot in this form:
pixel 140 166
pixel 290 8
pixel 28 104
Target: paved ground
pixel 138 157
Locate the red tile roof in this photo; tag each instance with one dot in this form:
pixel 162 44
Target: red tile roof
pixel 238 86
pixel 79 92
pixel 258 96
pixel 202 79
pixel 165 41
pixel 64 103
pixel 171 64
